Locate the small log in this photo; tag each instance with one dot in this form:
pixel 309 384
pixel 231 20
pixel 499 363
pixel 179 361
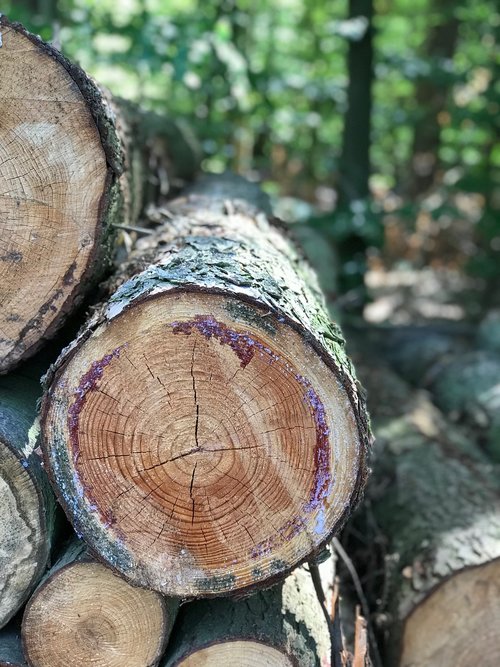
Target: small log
pixel 69 171
pixel 27 504
pixel 280 627
pixel 205 432
pixel 435 499
pixel 83 615
pixel 11 650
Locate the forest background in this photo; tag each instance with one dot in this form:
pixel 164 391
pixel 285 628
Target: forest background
pixel 374 123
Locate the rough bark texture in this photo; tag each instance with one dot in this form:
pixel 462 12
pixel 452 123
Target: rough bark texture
pixel 93 617
pixel 11 650
pixel 227 255
pixel 28 505
pixel 465 383
pixel 436 501
pixel 287 617
pixel 71 169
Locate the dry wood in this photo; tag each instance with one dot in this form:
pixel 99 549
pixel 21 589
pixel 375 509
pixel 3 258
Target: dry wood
pixel 83 615
pixel 205 432
pixel 436 500
pixel 64 181
pixel 281 627
pixel 26 500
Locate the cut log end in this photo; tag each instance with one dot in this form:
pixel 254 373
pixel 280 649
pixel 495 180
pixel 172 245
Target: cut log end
pixel 458 623
pixel 24 547
pixel 52 180
pixel 241 653
pixel 213 450
pixel 85 615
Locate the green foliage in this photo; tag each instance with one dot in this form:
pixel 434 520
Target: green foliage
pixel 263 84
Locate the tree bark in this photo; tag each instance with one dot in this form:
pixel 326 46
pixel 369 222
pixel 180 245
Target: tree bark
pixel 28 506
pixel 205 431
pixel 280 627
pixel 93 617
pixel 70 170
pixel 11 650
pixel 434 500
pixel 464 382
pixel 355 157
pixel 431 96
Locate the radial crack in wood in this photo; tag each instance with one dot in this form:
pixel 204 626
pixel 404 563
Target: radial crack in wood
pixel 72 163
pixel 206 432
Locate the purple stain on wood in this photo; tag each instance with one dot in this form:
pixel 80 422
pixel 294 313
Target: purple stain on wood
pixel 87 384
pixel 244 347
pixel 242 344
pixel 322 473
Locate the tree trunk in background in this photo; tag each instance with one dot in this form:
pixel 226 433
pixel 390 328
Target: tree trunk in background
pixel 354 166
pixel 235 439
pixel 431 96
pixel 355 156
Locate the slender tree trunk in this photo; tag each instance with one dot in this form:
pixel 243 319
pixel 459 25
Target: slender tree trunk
pixel 355 155
pixel 205 432
pixel 432 95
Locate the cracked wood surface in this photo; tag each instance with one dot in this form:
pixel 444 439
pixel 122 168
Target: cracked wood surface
pixel 72 164
pixel 207 434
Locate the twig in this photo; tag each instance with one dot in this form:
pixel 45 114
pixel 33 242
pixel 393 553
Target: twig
pixel 334 629
pixel 361 652
pixel 130 228
pixel 359 591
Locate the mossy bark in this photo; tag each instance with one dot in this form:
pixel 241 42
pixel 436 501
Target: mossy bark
pixel 210 244
pixel 27 521
pixel 463 380
pixel 287 617
pixel 433 500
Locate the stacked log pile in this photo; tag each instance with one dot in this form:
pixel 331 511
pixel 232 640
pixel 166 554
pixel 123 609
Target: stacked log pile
pixel 433 503
pixel 204 432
